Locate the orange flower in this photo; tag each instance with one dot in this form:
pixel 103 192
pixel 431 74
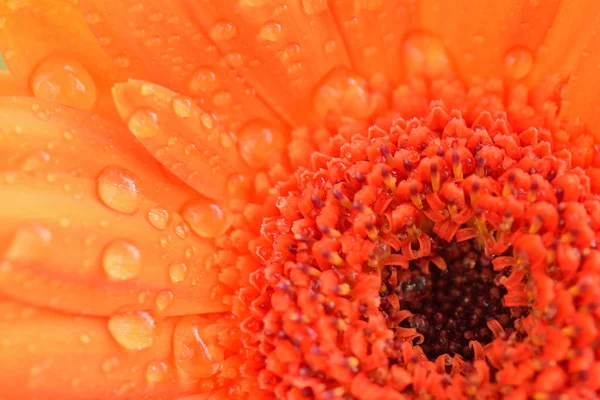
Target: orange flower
pixel 298 199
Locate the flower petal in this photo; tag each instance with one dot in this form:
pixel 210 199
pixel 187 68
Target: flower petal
pixel 184 138
pixel 63 248
pixel 170 48
pixel 374 31
pixel 48 48
pixel 49 355
pixel 44 138
pixel 284 48
pixel 482 36
pixel 11 87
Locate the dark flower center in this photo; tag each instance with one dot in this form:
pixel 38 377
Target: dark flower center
pixel 452 307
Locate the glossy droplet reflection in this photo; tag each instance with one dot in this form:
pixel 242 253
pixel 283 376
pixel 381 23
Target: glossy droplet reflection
pixel 119 189
pixel 30 240
pixel 122 260
pixel 258 141
pixel 159 218
pixel 342 93
pixel 156 371
pixel 518 62
pixel 223 30
pixel 195 357
pixel 178 272
pixel 311 7
pixel 203 80
pixel 163 300
pixel 271 32
pixel 64 80
pixel 426 56
pixel 206 219
pixel 143 124
pixel 134 330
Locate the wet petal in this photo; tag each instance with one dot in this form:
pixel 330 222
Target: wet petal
pixel 45 355
pixel 373 32
pixel 44 138
pixel 97 246
pixel 284 48
pixel 171 49
pixel 483 36
pixel 179 134
pixel 48 47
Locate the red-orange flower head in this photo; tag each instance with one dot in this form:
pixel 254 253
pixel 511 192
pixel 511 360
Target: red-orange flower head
pixel 331 200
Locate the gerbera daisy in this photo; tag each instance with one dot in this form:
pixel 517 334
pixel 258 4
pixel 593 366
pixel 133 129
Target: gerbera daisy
pixel 299 199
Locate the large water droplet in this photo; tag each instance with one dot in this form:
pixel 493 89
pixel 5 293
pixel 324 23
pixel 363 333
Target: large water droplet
pixel 64 80
pixel 425 55
pixel 156 371
pixel 206 219
pixel 119 189
pixel 203 80
pixel 122 260
pixel 178 272
pixel 195 358
pixel 159 218
pixel 143 124
pixel 182 106
pixel 518 62
pixel 271 32
pixel 258 141
pixel 222 30
pixel 343 93
pixel 311 7
pixel 134 330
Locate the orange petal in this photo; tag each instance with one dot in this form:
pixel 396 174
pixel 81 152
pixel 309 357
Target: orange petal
pixel 582 96
pixel 490 39
pixel 43 138
pixel 185 139
pixel 284 48
pixel 374 30
pixel 63 248
pixel 170 49
pixel 566 38
pixel 49 355
pixel 10 87
pixel 48 47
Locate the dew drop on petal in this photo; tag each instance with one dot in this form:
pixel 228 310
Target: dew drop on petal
pixel 343 93
pixel 221 98
pixel 195 358
pixel 312 7
pixel 64 80
pixel 156 371
pixel 119 190
pixel 182 106
pixel 143 124
pixel 270 32
pixel 35 161
pixel 518 62
pixel 110 364
pixel 159 218
pixel 29 240
pixel 203 80
pixel 134 330
pixel 426 56
pixel 178 272
pixel 163 300
pixel 122 260
pixel 222 30
pixel 206 219
pixel 257 143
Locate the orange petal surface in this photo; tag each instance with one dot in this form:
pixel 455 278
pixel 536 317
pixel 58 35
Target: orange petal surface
pixel 9 86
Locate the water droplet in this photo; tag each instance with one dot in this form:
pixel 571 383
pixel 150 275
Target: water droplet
pixel 110 365
pixel 312 7
pixel 119 189
pixel 159 218
pixel 144 124
pixel 271 32
pixel 258 141
pixel 64 80
pixel 156 371
pixel 30 240
pixel 195 357
pixel 122 61
pixel 222 30
pixel 254 3
pixel 35 161
pixel 425 55
pixel 203 80
pixel 235 60
pixel 343 93
pixel 207 120
pixel 329 46
pixel 518 62
pixel 164 299
pixel 206 219
pixel 134 330
pixel 182 230
pixel 182 106
pixel 92 18
pixel 9 54
pixel 222 98
pixel 178 272
pixel 85 339
pixel 122 260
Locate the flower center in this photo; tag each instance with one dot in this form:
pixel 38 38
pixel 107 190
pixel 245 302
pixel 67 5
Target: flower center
pixel 451 307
